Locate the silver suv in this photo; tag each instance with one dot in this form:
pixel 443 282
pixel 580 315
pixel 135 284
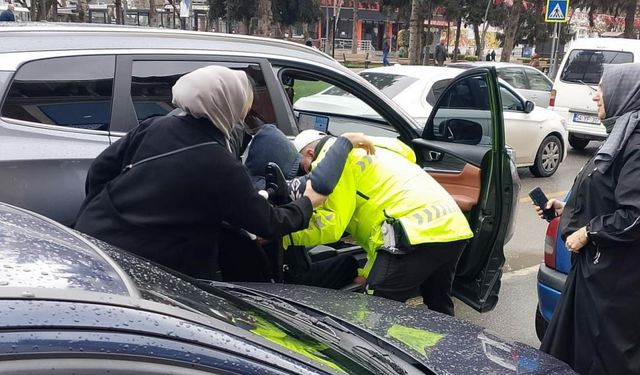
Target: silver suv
pixel 68 91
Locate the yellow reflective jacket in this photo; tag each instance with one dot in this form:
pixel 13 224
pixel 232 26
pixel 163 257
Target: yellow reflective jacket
pixel 388 182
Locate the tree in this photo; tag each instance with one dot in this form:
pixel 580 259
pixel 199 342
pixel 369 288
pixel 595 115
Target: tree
pixel 510 30
pixel 241 11
pixel 217 10
pixel 354 33
pixel 153 14
pixel 119 12
pixel 414 35
pixel 265 17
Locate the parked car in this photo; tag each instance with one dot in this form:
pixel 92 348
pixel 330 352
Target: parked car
pixel 71 304
pixel 70 90
pixel 527 80
pixel 580 73
pixel 537 135
pixel 552 275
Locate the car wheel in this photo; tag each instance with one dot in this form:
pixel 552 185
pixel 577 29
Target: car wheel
pixel 548 157
pixel 541 324
pixel 578 143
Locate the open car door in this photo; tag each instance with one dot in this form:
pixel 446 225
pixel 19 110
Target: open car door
pixel 463 148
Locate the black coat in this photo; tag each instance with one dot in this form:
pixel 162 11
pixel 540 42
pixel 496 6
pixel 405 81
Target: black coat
pixel 170 209
pixel 596 325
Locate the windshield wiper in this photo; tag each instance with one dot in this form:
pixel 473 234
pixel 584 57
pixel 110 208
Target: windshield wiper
pixel 586 84
pixel 325 330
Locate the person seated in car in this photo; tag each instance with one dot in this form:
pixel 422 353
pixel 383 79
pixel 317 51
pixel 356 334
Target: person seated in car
pixel 410 227
pixel 271 145
pixel 164 189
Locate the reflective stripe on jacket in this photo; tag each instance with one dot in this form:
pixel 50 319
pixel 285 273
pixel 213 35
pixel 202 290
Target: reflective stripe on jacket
pixel 388 182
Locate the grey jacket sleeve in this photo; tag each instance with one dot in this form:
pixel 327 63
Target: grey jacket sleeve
pixel 326 175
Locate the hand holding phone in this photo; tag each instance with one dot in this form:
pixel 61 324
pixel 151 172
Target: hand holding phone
pixel 540 199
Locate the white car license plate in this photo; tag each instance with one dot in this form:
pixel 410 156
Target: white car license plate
pixel 586 119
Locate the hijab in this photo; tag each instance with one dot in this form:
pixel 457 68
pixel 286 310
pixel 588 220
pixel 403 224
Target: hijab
pixel 219 94
pixel 621 94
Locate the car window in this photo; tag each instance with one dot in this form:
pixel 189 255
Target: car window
pixel 323 106
pixel 587 65
pixel 152 81
pixel 463 115
pixel 510 102
pixel 436 90
pixel 73 92
pixel 537 80
pixel 513 76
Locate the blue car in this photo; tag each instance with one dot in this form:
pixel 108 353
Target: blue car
pixel 551 276
pixel 70 304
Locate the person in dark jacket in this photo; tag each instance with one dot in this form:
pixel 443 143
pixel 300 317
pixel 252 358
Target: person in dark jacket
pixel 441 53
pixel 271 145
pixel 595 326
pixel 164 189
pixel 7 15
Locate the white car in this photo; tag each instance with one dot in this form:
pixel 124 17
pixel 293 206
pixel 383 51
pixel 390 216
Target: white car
pixel 527 80
pixel 537 136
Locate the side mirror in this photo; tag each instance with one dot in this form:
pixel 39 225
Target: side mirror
pixel 529 106
pixel 461 131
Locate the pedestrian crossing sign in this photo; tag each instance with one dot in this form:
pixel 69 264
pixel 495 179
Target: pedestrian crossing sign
pixel 557 11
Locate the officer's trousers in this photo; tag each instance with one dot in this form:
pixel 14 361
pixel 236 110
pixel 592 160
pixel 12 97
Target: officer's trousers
pixel 428 270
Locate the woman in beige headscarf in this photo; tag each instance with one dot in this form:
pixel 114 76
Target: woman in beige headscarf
pixel 163 190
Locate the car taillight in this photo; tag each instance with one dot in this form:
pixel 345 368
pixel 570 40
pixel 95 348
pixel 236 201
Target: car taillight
pixel 552 98
pixel 550 244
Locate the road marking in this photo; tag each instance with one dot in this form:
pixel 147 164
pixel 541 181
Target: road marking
pixel 521 272
pixel 557 194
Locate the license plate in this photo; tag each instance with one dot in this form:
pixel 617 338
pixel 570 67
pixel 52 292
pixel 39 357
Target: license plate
pixel 586 119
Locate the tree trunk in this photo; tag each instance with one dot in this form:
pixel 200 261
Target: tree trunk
pixel 83 11
pixel 511 31
pixel 457 42
pixel 119 13
pixel 305 30
pixel 354 37
pixel 41 14
pixel 265 18
pixel 329 43
pixel 245 26
pixel 414 35
pixel 53 11
pixel 476 36
pixel 630 10
pixel 33 10
pixel 153 14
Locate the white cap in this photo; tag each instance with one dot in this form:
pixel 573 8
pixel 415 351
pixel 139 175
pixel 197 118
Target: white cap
pixel 307 137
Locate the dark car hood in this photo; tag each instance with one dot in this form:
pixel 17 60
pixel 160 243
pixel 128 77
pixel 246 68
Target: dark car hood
pixel 444 344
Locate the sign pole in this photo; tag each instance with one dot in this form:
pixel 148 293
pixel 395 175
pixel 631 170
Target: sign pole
pixel 554 47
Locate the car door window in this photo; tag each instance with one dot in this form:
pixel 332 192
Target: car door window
pixel 537 81
pixel 319 104
pixel 513 76
pixel 463 115
pixel 152 81
pixel 510 102
pixel 71 92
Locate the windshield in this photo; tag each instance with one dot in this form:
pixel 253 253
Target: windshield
pixel 161 286
pixel 587 65
pixel 390 84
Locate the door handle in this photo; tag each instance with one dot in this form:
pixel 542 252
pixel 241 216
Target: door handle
pixel 435 156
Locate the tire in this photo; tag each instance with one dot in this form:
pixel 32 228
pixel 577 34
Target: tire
pixel 578 143
pixel 548 157
pixel 541 324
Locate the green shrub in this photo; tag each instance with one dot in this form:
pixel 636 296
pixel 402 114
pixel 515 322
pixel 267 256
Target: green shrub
pixel 471 58
pixel 402 52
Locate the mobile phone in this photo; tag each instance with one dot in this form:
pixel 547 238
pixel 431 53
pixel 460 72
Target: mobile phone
pixel 540 199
